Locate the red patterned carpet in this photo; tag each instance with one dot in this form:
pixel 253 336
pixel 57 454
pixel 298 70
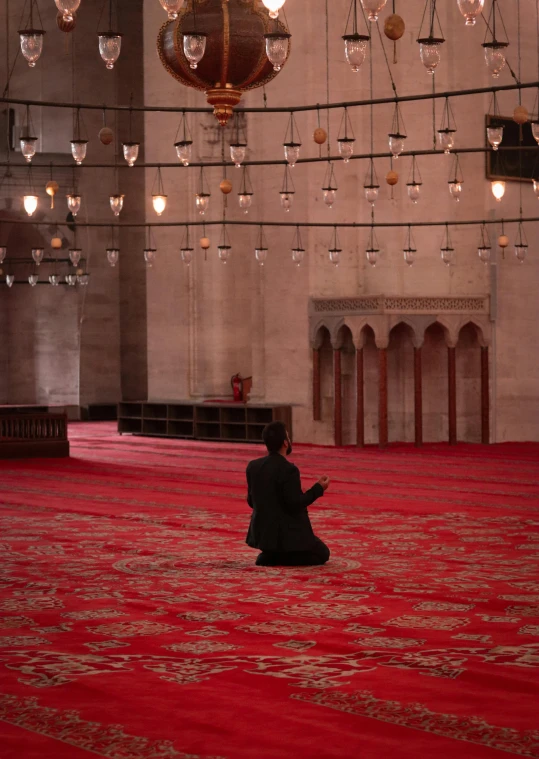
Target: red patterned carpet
pixel 134 624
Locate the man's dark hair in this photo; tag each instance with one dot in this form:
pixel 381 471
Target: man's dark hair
pixel 274 436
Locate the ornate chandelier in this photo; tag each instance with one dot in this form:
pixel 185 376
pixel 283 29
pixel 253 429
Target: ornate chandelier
pixel 230 39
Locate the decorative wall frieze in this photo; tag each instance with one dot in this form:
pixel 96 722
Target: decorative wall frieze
pixel 384 304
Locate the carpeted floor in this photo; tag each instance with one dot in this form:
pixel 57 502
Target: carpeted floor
pixel 134 624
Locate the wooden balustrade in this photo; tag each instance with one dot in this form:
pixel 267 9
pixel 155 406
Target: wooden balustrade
pixel 33 434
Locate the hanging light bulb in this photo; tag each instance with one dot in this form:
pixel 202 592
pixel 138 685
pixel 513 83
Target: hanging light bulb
pixel 159 199
pixel 130 150
pixel 470 9
pixel 373 8
pixel 346 148
pixel 71 279
pixel 116 204
pixel 74 201
pixel 277 48
pixel 10 279
pixel 498 189
pixel 291 153
pixel 78 150
pixel 329 194
pixel 184 150
pixel 495 135
pixel 33 279
pixel 238 151
pixel 113 254
pixel 245 199
pixel 355 49
pixel 54 279
pixel 429 52
pixel 75 255
pixel 30 204
pixel 171 7
pixel 37 255
pixel 273 6
pixel 28 147
pixel 31 44
pixel 110 46
pixel 455 189
pixel 202 202
pixel 495 57
pixel 535 131
pixel 67 8
pixel 414 191
pixel 194 47
pixel 446 139
pixel 149 257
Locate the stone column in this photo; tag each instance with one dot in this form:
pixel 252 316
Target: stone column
pixel 317 401
pixel 360 398
pixel 452 394
pixel 485 410
pixel 382 398
pixel 337 395
pixel 418 397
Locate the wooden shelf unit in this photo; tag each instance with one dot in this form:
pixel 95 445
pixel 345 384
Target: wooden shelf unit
pixel 224 422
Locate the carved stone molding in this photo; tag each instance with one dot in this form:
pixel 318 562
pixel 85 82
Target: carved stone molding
pixel 384 304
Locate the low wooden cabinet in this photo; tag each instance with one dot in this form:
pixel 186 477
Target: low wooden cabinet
pixel 230 422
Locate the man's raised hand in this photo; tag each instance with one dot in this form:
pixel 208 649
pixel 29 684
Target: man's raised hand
pixel 324 481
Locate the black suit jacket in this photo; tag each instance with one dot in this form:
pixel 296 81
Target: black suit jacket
pixel 280 521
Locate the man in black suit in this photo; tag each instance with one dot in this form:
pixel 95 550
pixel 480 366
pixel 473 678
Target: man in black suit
pixel 280 526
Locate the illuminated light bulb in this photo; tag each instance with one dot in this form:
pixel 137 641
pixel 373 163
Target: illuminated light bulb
pixel 455 189
pixel 67 8
pixel 245 199
pixel 28 147
pixel 223 252
pixel 495 57
pixel 371 193
pixel 520 252
pixel 414 191
pixel 447 255
pixel 149 257
pixel 335 256
pixel 273 6
pixel 187 255
pixel 113 254
pixel 194 47
pixel 495 136
pixel 346 148
pixel 171 7
pixel 110 46
pixel 409 255
pixel 261 255
pixel 277 48
pixel 373 8
pixel 184 151
pixel 291 152
pixel 202 202
pixel 396 144
pixel 31 45
pixel 37 255
pixel 470 9
pixel 131 150
pixel 237 153
pixel 446 138
pixel 54 279
pixel 429 52
pixel 10 279
pixel 116 204
pixel 355 49
pixel 75 255
pixel 298 255
pixel 484 253
pixel 30 204
pixel 498 189
pixel 159 203
pixel 74 203
pixel 329 194
pixel 78 150
pixel 3 253
pixel 286 200
pixel 33 279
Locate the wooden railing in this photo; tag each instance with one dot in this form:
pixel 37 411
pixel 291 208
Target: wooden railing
pixel 33 427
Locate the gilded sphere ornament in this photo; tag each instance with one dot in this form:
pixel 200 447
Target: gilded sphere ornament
pixel 205 243
pixel 80 272
pixel 520 114
pixel 320 136
pixel 65 25
pixel 226 186
pixel 51 188
pixel 394 27
pixel 56 243
pixel 106 135
pixel 503 241
pixel 392 177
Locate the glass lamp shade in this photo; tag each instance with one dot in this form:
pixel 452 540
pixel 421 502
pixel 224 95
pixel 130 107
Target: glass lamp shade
pixel 37 255
pixel 329 194
pixel 277 49
pixel 30 204
pixel 373 8
pixel 67 8
pixel 31 45
pixel 237 153
pixel 535 189
pixel 273 6
pixel 335 256
pixel 75 255
pixel 396 144
pixel 159 203
pixel 498 189
pixel 202 202
pixel 194 47
pixel 470 9
pixel 446 138
pixel 409 255
pixel 33 279
pixel 187 255
pixel 429 52
pixel 54 279
pixel 28 147
pixel 10 279
pixel 71 279
pixel 495 136
pixel 149 257
pixel 261 255
pixel 287 198
pixel 131 152
pixel 355 49
pixel 535 131
pixel 495 57
pixel 78 150
pixel 110 46
pixel 371 193
pixel 116 204
pixel 3 253
pixel 184 151
pixel 245 200
pixel 298 254
pixel 171 7
pixel 520 252
pixel 455 189
pixel 447 255
pixel 371 255
pixel 83 279
pixel 414 191
pixel 291 152
pixel 113 254
pixel 73 203
pixel 223 252
pixel 346 148
pixel 484 253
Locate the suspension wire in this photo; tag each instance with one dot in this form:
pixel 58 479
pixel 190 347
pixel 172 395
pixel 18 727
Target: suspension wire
pixel 519 52
pixel 327 73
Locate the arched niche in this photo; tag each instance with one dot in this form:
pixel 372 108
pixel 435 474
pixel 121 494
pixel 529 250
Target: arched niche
pixel 434 359
pixel 371 384
pixel 468 370
pixel 325 350
pixel 400 366
pixel 345 343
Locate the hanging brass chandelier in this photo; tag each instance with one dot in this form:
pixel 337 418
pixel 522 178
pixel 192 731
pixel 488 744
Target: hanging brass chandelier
pixel 224 48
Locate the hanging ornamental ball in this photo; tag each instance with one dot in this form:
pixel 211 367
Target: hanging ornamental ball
pixel 392 177
pixel 226 186
pixel 205 243
pixel 394 27
pixel 80 272
pixel 320 135
pixel 106 135
pixel 51 188
pixel 56 243
pixel 63 24
pixel 503 241
pixel 520 114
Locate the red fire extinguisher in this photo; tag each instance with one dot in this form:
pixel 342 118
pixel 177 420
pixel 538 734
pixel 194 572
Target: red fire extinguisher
pixel 237 387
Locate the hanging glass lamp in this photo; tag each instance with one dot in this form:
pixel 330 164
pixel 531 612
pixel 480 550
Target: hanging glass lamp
pixel 172 8
pixel 113 255
pixel 470 9
pixel 273 6
pixel 277 48
pixel 131 150
pixel 67 8
pixel 373 8
pixel 75 254
pixel 74 201
pixel 117 204
pixel 194 47
pixel 37 255
pixel 110 47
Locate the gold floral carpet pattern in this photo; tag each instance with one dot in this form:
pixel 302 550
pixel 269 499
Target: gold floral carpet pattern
pixel 134 624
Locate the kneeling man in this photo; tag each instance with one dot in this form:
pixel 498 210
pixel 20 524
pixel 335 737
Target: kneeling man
pixel 280 526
